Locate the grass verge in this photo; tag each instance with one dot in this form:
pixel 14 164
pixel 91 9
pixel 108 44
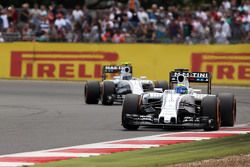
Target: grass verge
pixel 166 155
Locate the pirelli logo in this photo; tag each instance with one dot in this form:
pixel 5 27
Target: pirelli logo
pixel 59 65
pixel 223 66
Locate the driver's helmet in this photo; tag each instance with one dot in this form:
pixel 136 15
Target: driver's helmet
pixel 182 89
pixel 126 73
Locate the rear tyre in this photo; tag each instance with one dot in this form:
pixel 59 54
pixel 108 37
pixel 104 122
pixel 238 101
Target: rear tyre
pixel 210 109
pixel 108 91
pixel 227 109
pixel 92 92
pixel 161 84
pixel 130 106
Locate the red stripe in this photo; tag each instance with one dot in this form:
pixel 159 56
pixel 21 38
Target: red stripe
pixel 61 59
pixel 34 159
pixel 211 135
pixel 227 60
pixel 67 52
pixel 96 150
pixel 108 56
pixel 152 142
pixel 225 54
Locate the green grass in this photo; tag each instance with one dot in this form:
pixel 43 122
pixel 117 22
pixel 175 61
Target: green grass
pixel 166 155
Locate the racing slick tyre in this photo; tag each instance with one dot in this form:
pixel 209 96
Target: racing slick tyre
pixel 227 109
pixel 108 90
pixel 92 92
pixel 210 109
pixel 161 84
pixel 130 106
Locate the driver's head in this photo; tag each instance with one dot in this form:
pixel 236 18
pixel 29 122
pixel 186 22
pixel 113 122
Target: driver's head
pixel 182 89
pixel 126 73
pixel 127 70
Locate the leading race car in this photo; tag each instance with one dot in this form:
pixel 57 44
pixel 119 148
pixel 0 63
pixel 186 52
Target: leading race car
pixel 110 91
pixel 181 106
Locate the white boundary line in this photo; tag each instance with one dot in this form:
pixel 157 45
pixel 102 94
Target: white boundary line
pixel 107 144
pixel 114 144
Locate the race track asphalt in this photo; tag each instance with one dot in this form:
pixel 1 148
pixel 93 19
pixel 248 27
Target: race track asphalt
pixel 38 115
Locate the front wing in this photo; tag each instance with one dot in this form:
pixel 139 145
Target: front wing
pixel 142 120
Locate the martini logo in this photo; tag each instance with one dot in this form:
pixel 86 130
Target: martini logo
pixel 60 65
pixel 223 66
pixel 193 74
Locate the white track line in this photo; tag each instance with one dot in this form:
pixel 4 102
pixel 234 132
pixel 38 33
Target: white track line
pixel 104 145
pixel 52 154
pixel 108 144
pixel 225 131
pixel 172 138
pixel 14 164
pixel 62 152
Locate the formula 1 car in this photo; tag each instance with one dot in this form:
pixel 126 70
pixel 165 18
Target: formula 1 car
pixel 110 91
pixel 181 106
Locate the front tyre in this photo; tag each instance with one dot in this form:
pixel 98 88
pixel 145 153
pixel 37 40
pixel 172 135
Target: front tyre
pixel 227 109
pixel 108 91
pixel 130 106
pixel 210 109
pixel 91 92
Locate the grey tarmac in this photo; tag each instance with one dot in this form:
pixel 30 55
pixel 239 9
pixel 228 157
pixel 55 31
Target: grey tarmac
pixel 39 115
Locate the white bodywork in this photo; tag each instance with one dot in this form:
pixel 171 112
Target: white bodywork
pixel 172 102
pixel 135 84
pixel 169 106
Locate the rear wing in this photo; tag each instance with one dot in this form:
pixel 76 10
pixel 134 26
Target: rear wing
pixel 112 69
pixel 193 77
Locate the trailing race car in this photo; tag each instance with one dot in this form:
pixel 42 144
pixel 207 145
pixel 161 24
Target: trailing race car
pixel 181 106
pixel 110 91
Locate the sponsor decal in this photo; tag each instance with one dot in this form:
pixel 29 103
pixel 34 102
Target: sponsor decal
pixel 223 66
pixel 57 64
pixel 192 74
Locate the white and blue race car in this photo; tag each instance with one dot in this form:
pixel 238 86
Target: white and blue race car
pixel 181 105
pixel 114 90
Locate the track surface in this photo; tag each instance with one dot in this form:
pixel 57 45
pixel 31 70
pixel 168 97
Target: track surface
pixel 43 115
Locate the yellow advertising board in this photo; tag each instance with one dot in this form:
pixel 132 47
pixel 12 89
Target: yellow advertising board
pixel 229 64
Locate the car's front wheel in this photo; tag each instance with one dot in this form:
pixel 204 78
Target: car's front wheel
pixel 210 109
pixel 130 106
pixel 227 109
pixel 108 91
pixel 91 92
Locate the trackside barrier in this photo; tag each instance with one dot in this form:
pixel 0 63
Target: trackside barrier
pixel 229 64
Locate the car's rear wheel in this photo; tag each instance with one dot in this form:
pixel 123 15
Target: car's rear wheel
pixel 161 84
pixel 227 109
pixel 210 109
pixel 108 91
pixel 130 106
pixel 91 92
